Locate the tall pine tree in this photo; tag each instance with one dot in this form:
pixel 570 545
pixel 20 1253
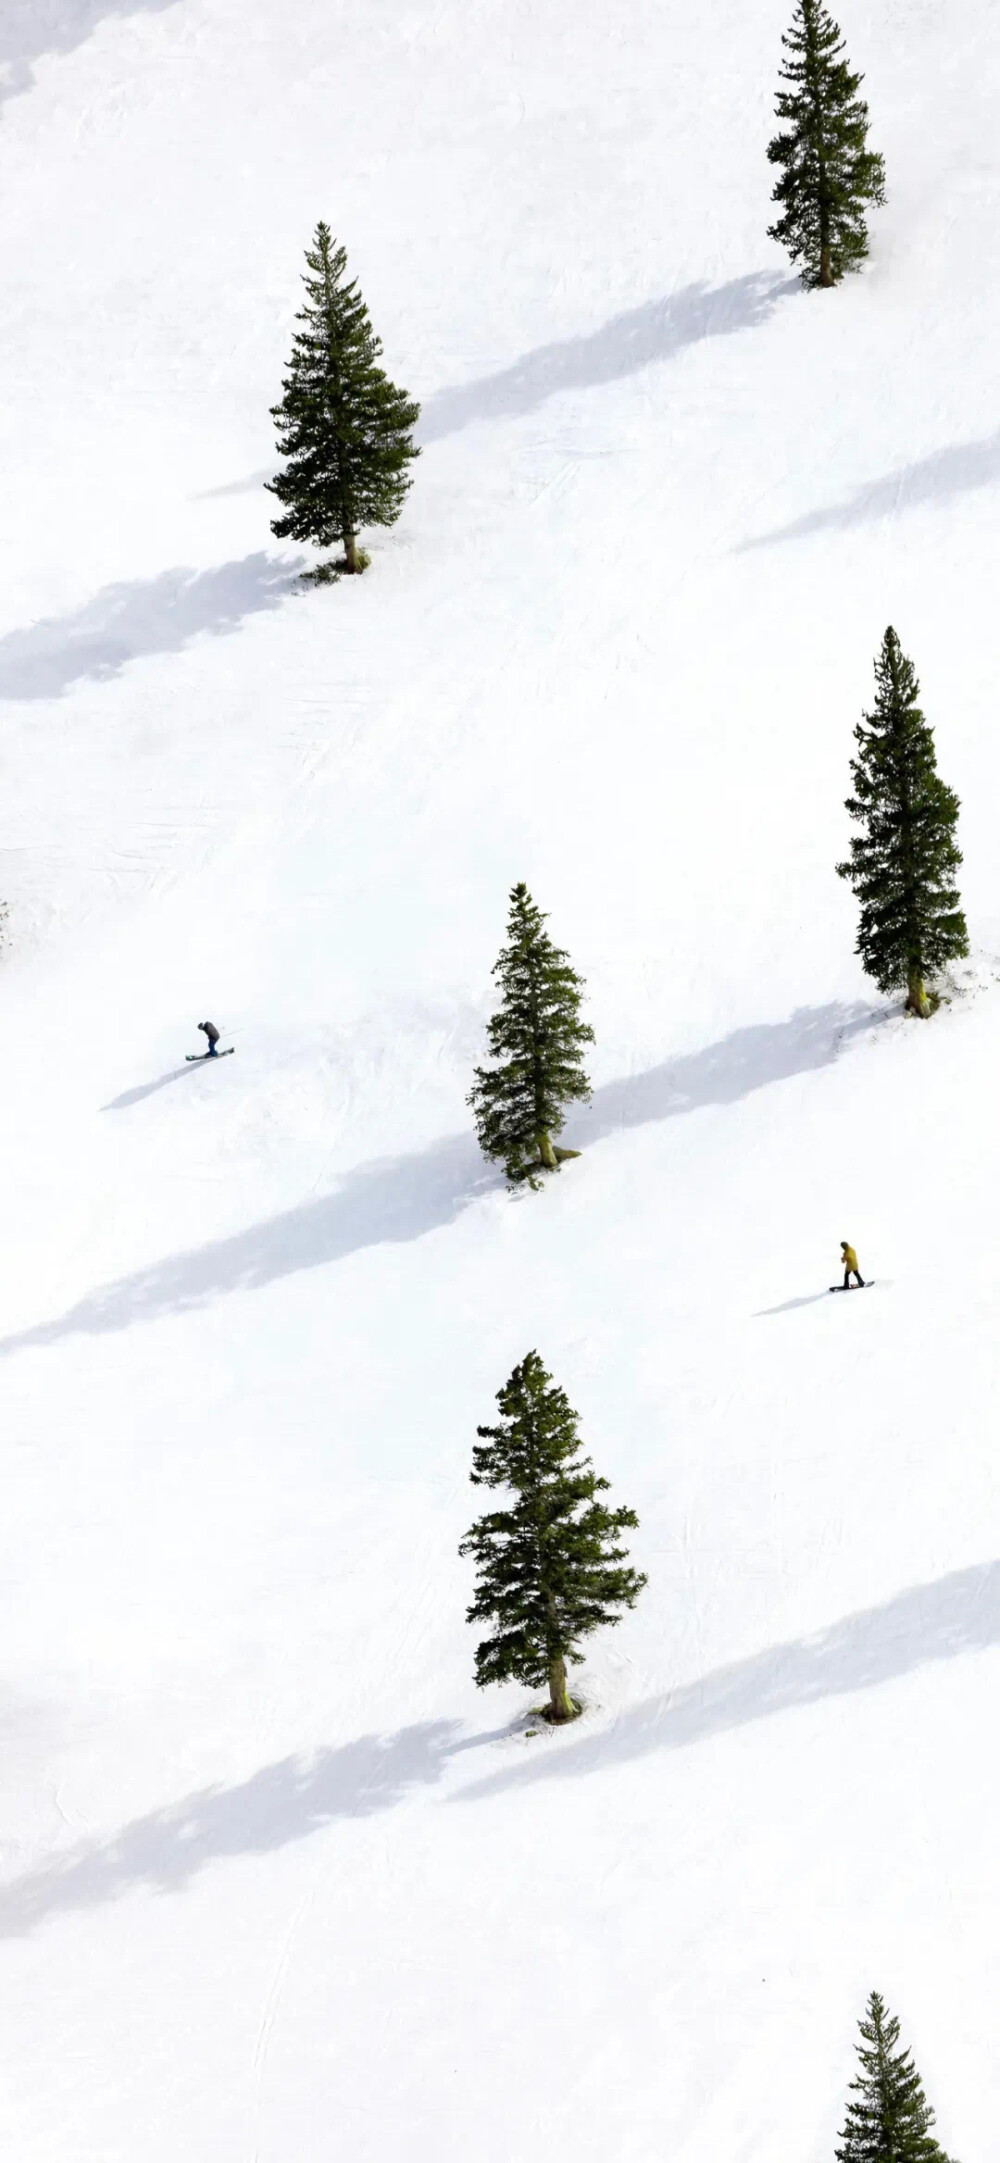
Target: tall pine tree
pixel 902 865
pixel 536 1039
pixel 552 1568
pixel 829 176
pixel 345 430
pixel 891 2119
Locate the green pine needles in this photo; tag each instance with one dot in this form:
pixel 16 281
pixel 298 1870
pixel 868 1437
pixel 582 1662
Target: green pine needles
pixel 536 1040
pixel 828 175
pixel 552 1568
pixel 345 430
pixel 891 2119
pixel 903 863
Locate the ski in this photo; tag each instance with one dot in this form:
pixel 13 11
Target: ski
pixel 196 1058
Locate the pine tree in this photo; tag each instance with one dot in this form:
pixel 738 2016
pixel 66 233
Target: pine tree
pixel 890 2121
pixel 829 176
pixel 902 866
pixel 536 1038
pixel 552 1568
pixel 344 428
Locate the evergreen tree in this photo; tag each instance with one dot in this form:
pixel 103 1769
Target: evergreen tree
pixel 344 428
pixel 902 865
pixel 890 2121
pixel 552 1568
pixel 829 176
pixel 536 1039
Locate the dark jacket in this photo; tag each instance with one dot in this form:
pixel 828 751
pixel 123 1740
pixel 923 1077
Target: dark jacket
pixel 210 1031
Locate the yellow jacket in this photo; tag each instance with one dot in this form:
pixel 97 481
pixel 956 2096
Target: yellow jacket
pixel 850 1259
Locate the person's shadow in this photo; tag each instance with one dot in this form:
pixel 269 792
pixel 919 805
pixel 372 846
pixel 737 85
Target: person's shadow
pixel 149 1089
pixel 809 1299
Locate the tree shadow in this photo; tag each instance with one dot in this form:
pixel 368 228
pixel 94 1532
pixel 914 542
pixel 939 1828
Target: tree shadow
pixel 145 616
pixel 397 1199
pixel 277 1806
pixel 952 472
pixel 31 28
pixel 146 1089
pixel 722 1073
pixel 166 1849
pixel 958 1614
pixel 621 347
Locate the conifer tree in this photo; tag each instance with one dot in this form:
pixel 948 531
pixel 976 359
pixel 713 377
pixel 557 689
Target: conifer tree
pixel 344 428
pixel 536 1039
pixel 829 176
pixel 891 2119
pixel 902 865
pixel 552 1568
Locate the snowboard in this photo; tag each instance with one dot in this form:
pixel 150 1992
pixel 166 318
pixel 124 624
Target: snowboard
pixel 194 1058
pixel 865 1287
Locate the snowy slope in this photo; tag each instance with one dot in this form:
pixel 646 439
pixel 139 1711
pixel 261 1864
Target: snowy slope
pixel 277 1881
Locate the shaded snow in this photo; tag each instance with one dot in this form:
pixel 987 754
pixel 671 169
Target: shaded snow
pixel 276 1880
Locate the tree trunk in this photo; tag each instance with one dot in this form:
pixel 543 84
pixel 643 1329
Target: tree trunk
pixel 917 1001
pixel 351 552
pixel 546 1151
pixel 825 268
pixel 561 1703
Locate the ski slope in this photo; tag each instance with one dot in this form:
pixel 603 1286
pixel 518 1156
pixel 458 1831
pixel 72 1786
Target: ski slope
pixel 277 1882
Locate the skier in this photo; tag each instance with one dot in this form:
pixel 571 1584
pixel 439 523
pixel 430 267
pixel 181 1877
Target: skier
pixel 850 1262
pixel 212 1034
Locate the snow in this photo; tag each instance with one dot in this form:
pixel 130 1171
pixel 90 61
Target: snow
pixel 277 1881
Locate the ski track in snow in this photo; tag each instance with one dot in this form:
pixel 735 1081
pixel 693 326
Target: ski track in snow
pixel 276 1877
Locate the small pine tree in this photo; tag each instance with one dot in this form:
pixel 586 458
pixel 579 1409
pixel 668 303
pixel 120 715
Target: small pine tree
pixel 890 2121
pixel 552 1568
pixel 829 176
pixel 536 1038
pixel 344 428
pixel 902 866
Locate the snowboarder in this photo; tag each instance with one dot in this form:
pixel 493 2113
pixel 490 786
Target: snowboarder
pixel 850 1262
pixel 212 1034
